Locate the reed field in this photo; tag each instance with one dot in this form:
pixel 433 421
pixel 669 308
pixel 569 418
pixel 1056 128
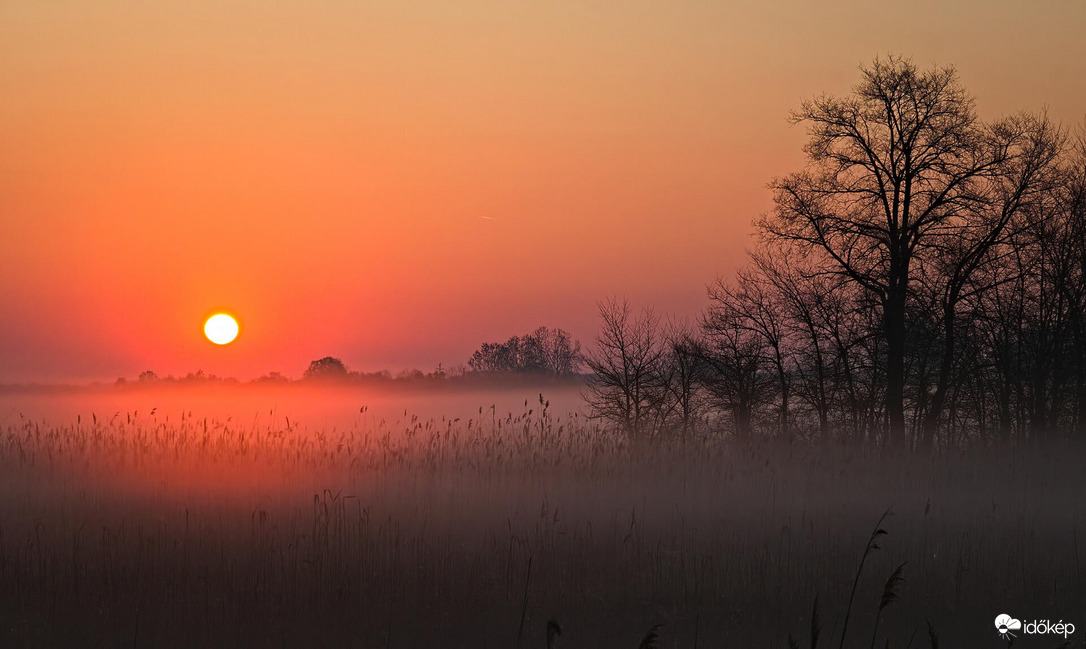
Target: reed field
pixel 165 528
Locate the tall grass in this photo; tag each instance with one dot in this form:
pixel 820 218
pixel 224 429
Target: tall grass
pixel 172 530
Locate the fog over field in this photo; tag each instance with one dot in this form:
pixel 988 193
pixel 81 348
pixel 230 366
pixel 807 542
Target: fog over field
pixel 316 407
pixel 379 529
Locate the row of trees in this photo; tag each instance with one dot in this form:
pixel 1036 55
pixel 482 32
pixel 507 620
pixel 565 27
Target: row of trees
pixel 922 279
pixel 547 351
pixel 543 352
pixel 149 377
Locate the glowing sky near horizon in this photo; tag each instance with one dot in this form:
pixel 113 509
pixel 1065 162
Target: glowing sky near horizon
pixel 393 183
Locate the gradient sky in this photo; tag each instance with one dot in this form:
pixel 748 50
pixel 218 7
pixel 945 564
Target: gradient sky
pixel 393 183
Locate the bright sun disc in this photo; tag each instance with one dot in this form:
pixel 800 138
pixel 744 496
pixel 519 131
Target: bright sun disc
pixel 221 329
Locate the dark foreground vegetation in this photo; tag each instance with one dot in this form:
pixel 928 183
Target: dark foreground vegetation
pixel 175 531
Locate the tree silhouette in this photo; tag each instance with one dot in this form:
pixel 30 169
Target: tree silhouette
pixel 922 280
pixel 893 170
pixel 326 368
pixel 737 357
pixel 624 386
pixel 545 350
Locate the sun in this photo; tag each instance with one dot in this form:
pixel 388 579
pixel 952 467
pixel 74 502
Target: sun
pixel 221 329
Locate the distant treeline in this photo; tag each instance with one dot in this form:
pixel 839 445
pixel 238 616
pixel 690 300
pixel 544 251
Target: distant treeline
pixel 922 280
pixel 545 353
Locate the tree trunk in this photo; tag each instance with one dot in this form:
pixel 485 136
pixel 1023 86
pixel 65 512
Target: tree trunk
pixel 1006 421
pixel 894 326
pixel 823 406
pixel 783 377
pixel 946 366
pixel 742 421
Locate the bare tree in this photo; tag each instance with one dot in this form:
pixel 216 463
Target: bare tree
pixel 623 386
pixel 681 373
pixel 949 268
pixel 803 293
pixel 889 166
pixel 1075 208
pixel 753 304
pixel 560 353
pixel 736 360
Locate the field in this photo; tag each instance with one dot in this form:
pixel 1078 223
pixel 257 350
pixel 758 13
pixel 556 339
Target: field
pixel 394 526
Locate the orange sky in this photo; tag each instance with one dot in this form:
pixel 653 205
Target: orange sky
pixel 393 183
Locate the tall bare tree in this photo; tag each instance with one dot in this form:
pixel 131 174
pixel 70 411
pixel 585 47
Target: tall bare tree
pixel 752 303
pixel 1021 184
pixel 623 385
pixel 682 372
pixel 803 297
pixel 736 361
pixel 889 165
